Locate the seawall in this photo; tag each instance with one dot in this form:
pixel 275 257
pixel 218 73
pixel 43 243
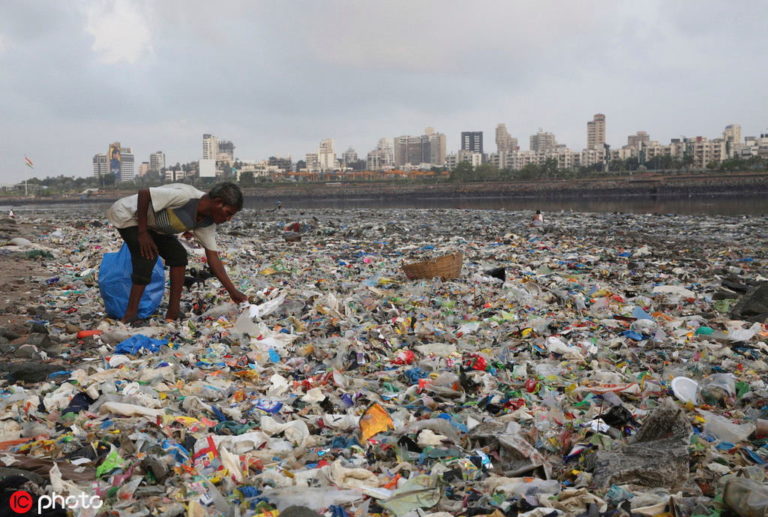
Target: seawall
pixel 673 185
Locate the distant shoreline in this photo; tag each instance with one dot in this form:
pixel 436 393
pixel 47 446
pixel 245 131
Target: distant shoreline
pixel 639 186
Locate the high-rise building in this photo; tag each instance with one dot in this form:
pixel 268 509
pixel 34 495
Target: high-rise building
pixel 412 150
pixel 732 133
pixel 326 156
pixel 282 163
pixel 436 147
pixel 100 165
pixel 543 141
pixel 210 147
pixel 638 140
pixel 428 148
pixel 382 158
pixel 732 137
pixel 126 165
pixel 313 163
pixel 504 141
pixel 475 159
pixel 226 151
pixel 349 157
pixel 596 132
pixel 157 161
pixel 143 168
pixel 472 141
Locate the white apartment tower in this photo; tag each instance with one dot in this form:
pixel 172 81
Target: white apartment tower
pixel 126 164
pixel 543 141
pixel 383 157
pixel 312 161
pixel 504 141
pixel 596 132
pixel 436 148
pixel 100 165
pixel 326 156
pixel 638 140
pixel 210 147
pixel 157 161
pixel 732 137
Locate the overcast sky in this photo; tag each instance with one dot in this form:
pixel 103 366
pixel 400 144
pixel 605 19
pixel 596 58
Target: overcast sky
pixel 276 77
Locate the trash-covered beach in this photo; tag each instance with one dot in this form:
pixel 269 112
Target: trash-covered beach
pixel 602 364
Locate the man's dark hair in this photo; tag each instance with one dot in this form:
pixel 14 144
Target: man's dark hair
pixel 229 193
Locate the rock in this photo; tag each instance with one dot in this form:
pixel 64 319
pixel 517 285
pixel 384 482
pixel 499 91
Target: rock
pixel 299 511
pixel 27 352
pixel 6 472
pixel 156 467
pixel 657 458
pixel 39 340
pixel 33 371
pixel 9 334
pixel 20 242
pixel 754 305
pixel 39 328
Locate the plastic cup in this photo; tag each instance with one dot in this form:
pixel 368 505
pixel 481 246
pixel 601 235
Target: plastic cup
pixel 685 389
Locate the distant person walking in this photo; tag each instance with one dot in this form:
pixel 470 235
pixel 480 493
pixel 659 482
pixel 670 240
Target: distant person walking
pixel 537 219
pixel 149 221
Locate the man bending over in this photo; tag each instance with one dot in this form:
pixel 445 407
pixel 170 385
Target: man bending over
pixel 149 221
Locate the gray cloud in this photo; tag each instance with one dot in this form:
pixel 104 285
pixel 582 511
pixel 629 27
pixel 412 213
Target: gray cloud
pixel 276 77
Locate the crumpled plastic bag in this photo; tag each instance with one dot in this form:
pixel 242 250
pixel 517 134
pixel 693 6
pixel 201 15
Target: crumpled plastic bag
pixel 138 342
pixel 375 420
pixel 417 492
pixel 344 477
pixel 115 284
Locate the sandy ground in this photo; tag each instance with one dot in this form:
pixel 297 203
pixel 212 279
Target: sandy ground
pixel 22 280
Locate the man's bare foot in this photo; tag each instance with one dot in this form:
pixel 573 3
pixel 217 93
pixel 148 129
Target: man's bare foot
pixel 173 316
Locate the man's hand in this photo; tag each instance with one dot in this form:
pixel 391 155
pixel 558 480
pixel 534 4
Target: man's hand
pixel 238 297
pixel 147 245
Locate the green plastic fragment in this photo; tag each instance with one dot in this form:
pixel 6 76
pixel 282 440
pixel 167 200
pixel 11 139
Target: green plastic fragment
pixel 724 306
pixel 113 461
pixel 742 388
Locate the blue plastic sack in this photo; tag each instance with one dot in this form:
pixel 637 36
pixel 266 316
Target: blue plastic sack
pixel 115 284
pixel 135 343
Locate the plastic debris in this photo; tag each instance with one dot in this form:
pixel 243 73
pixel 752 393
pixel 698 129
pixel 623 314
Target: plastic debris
pixel 606 363
pixel 136 344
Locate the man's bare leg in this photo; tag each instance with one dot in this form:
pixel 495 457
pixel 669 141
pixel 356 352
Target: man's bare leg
pixel 131 312
pixel 174 298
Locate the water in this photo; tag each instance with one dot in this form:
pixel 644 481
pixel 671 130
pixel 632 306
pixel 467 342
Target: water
pixel 695 205
pixel 704 205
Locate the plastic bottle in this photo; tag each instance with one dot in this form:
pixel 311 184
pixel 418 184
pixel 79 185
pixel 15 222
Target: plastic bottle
pixel 746 497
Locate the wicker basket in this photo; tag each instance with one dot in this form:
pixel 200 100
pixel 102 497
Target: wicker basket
pixel 445 267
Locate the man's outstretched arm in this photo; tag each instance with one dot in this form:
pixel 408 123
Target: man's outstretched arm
pixel 217 267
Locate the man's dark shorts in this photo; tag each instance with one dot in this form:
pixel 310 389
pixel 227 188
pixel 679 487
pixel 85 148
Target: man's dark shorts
pixel 168 246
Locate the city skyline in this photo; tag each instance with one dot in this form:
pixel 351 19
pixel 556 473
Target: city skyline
pixel 267 76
